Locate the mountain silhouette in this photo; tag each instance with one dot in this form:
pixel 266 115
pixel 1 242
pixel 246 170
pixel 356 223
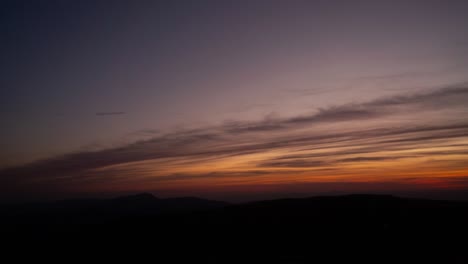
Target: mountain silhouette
pixel 329 229
pixel 101 210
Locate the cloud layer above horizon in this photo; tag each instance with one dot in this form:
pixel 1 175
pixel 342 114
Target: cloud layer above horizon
pixel 416 140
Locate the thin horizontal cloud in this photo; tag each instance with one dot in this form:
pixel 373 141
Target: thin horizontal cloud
pixel 214 174
pixel 294 163
pixel 365 159
pixel 337 114
pixel 109 113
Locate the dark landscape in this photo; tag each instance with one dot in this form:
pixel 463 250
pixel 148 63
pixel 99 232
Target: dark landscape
pixel 352 228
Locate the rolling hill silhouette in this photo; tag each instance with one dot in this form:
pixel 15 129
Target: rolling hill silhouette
pixel 333 229
pixel 96 211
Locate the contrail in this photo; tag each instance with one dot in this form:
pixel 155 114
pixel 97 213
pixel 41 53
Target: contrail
pixel 109 113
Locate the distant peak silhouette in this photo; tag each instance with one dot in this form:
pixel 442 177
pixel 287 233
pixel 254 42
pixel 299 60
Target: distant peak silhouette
pixel 137 197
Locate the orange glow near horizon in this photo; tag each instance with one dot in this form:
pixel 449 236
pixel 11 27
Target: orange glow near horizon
pixel 410 168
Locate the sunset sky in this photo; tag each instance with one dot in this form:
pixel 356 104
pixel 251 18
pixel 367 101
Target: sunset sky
pixel 233 100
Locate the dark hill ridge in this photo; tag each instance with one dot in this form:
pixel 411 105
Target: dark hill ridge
pixel 328 229
pixel 366 209
pixel 368 201
pixel 370 212
pixel 137 197
pixel 132 205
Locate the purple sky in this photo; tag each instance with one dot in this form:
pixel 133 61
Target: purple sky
pixel 89 77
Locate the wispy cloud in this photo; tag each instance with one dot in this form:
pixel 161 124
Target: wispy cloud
pixel 294 163
pixel 364 159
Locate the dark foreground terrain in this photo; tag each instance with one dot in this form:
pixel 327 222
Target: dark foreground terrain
pixel 341 229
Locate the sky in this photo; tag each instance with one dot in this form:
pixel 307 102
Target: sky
pixel 233 100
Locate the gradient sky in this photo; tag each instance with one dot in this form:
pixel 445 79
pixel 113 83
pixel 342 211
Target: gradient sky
pixel 232 99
